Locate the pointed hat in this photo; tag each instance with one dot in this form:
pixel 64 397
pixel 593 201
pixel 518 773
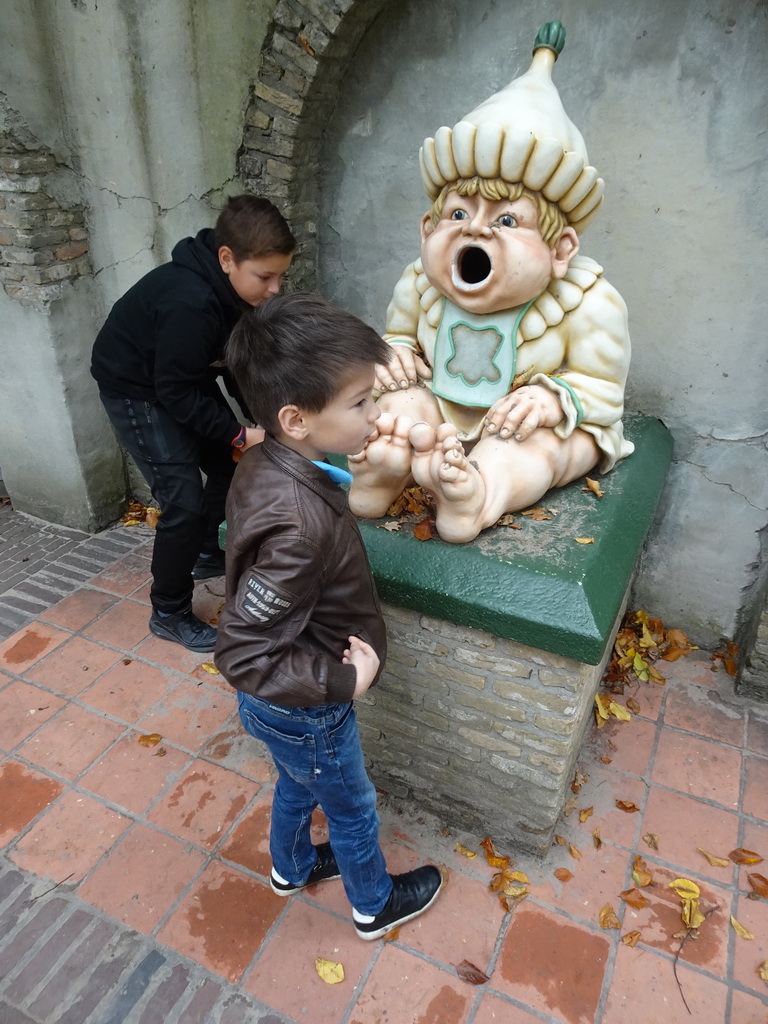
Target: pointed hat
pixel 521 134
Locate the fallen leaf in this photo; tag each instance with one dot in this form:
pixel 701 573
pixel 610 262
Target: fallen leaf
pixel 126 661
pixel 603 705
pixel 468 972
pixel 759 883
pixel 150 740
pixel 627 805
pixel 651 839
pixel 634 898
pixel 608 917
pixel 606 760
pixel 685 889
pixel 716 862
pixel 742 856
pixel 594 486
pixel 493 858
pixel 208 666
pixel 640 873
pixel 510 521
pixel 762 970
pixel 392 936
pixel 306 46
pixel 331 973
pixel 619 711
pixel 392 525
pixel 574 852
pixel 740 930
pixel 630 939
pixel 423 529
pixel 579 780
pixel 160 752
pixel 153 514
pixel 465 852
pixel 563 875
pixel 586 813
pixel 538 514
pixel 596 839
pixel 570 805
pixel 505 882
pixel 584 540
pixel 633 706
pixel 561 841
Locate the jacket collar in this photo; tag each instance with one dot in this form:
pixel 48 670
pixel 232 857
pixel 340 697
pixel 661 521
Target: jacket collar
pixel 305 472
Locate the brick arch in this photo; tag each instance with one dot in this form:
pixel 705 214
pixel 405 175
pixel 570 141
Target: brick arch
pixel 306 53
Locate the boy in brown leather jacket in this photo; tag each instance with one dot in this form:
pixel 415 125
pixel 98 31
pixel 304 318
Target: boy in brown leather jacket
pixel 302 633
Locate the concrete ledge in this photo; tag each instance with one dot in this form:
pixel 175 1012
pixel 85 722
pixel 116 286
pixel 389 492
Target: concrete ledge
pixel 537 585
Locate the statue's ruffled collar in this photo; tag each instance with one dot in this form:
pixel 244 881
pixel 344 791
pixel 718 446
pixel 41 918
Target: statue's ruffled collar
pixel 559 298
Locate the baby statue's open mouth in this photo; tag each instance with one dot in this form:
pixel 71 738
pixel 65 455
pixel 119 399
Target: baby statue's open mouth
pixel 471 268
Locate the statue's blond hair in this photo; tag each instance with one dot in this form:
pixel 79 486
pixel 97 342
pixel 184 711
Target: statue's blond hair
pixel 551 221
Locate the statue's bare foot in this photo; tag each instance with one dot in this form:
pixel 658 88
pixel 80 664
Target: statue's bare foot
pixel 382 470
pixel 440 465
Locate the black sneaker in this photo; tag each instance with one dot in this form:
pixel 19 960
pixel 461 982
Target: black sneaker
pixel 411 894
pixel 324 870
pixel 208 567
pixel 184 628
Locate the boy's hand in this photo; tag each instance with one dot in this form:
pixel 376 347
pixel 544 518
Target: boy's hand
pixel 366 661
pixel 519 413
pixel 404 369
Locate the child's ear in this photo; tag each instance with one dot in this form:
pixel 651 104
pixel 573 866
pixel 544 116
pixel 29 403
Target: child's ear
pixel 227 259
pixel 427 227
pixel 563 251
pixel 291 421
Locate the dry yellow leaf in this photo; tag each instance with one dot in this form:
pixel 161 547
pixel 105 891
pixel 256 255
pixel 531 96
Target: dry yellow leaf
pixel 685 889
pixel 465 851
pixel 150 740
pixel 596 839
pixel 586 813
pixel 651 839
pixel 331 973
pixel 608 917
pixel 584 540
pixel 740 930
pixel 594 486
pixel 603 705
pixel 390 526
pixel 574 852
pixel 561 841
pixel 640 873
pixel 762 970
pixel 630 939
pixel 716 862
pixel 619 711
pixel 208 666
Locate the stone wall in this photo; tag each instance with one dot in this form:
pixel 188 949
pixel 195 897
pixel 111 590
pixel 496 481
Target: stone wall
pixel 482 731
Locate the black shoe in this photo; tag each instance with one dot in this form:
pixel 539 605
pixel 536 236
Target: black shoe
pixel 184 628
pixel 411 894
pixel 208 567
pixel 324 870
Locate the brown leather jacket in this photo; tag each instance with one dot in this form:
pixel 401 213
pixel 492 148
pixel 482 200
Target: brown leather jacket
pixel 298 583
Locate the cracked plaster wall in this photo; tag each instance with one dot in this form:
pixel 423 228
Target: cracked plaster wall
pixel 671 102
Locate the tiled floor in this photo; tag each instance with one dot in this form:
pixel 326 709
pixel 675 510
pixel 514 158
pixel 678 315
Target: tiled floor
pixel 170 841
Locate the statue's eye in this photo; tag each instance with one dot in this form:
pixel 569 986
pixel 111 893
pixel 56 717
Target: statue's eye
pixel 507 221
pixel 459 215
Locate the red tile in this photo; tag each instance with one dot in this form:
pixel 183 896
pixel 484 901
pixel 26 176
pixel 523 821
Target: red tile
pixel 683 824
pixel 403 988
pixel 597 879
pixel 552 964
pixel 275 979
pixel 698 767
pixel 757 734
pixel 69 839
pixel 694 668
pixel 644 990
pixel 24 793
pixel 756 788
pixel 747 1009
pixel 24 708
pixel 165 652
pixel 464 924
pixel 628 744
pixel 233 748
pixel 650 697
pixel 29 645
pixel 748 954
pixel 143 593
pixel 204 803
pixel 494 1010
pixel 141 877
pixel 73 666
pixel 249 843
pixel 71 741
pixel 222 921
pixel 79 608
pixel 658 922
pixel 125 575
pixel 188 715
pixel 134 776
pixel 601 792
pixel 701 709
pixel 123 626
pixel 129 691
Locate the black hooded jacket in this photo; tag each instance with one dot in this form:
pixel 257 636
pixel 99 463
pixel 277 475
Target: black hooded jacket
pixel 161 339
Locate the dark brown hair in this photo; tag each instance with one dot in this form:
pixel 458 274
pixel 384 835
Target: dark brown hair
pixel 253 227
pixel 298 350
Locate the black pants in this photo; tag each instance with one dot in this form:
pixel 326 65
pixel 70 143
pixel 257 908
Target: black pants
pixel 171 458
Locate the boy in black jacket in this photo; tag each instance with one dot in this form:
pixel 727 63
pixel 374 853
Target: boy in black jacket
pixel 302 633
pixel 156 361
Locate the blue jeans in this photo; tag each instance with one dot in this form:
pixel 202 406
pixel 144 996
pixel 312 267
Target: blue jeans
pixel 170 457
pixel 319 761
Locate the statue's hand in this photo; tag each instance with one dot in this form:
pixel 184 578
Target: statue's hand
pixel 519 413
pixel 404 369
